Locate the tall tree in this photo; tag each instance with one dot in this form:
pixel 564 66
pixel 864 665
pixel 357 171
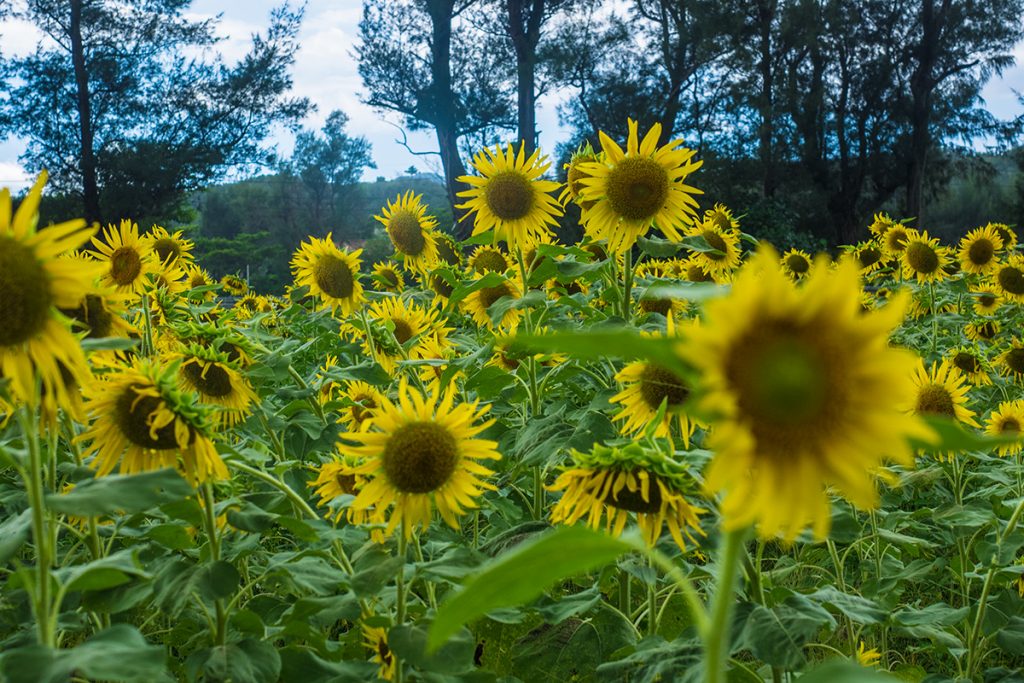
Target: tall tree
pixel 124 105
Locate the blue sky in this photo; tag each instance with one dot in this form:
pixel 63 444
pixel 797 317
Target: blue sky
pixel 325 72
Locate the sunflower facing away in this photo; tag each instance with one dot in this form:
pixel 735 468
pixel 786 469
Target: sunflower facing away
pixel 142 422
pixel 510 197
pixel 979 250
pixel 411 230
pixel 611 483
pixel 332 275
pixel 1008 420
pixel 419 452
pixel 34 282
pixel 643 186
pixel 803 392
pixel 129 259
pixel 208 373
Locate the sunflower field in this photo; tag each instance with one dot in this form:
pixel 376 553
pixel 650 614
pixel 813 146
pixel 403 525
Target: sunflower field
pixel 664 453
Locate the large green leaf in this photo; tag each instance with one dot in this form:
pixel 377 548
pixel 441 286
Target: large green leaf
pixel 121 493
pixel 842 671
pixel 252 661
pixel 106 572
pixel 523 574
pixel 609 342
pixel 13 533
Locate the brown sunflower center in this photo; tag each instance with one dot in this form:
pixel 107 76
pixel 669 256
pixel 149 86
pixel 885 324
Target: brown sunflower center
pixel 93 315
pixel 967 362
pixel 935 399
pixel 1009 424
pixel 637 188
pixel 798 264
pixel 389 277
pixel 922 258
pixel 658 384
pixel 654 305
pixel 197 279
pixel 25 295
pixel 694 273
pixel 987 300
pixel 406 233
pixel 509 195
pixel 1014 360
pixel 488 260
pixel 346 482
pixel 363 407
pixel 133 413
pixel 716 242
pixel 440 285
pixel 211 380
pixel 489 295
pixel 1011 279
pixel 167 250
pixel 1005 234
pixel 986 330
pixel 896 239
pixel 981 251
pixel 334 277
pixel 633 501
pixel 125 265
pixel 420 457
pixel 868 256
pixel 446 250
pixel 403 330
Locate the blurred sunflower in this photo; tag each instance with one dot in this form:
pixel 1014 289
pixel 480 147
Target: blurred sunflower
pixel 448 250
pixel 388 278
pixel 234 285
pixel 1011 361
pixel 635 189
pixel 796 263
pixel 411 231
pixel 34 282
pixel 971 364
pixel 170 249
pixel 694 270
pixel 804 393
pixel 142 422
pixel 509 196
pixel 332 275
pixel 923 258
pixel 651 302
pixel 336 480
pixel 1007 420
pixel 208 373
pixel 375 639
pixel 1006 234
pixel 1008 277
pixel 979 250
pixel 421 451
pixel 363 402
pixel 488 259
pixel 478 303
pixel 894 241
pixel 982 330
pixel 610 483
pixel 128 258
pixel 942 390
pixel 867 658
pixel 869 257
pixel 987 299
pixel 98 315
pixel 725 255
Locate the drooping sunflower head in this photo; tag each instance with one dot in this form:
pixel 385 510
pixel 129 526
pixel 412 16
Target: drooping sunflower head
pixel 388 278
pixel 1008 278
pixel 170 249
pixel 942 391
pixel 614 484
pixel 478 304
pixel 510 197
pixel 803 392
pixel 1011 361
pixel 142 422
pixel 418 451
pixel 987 299
pixel 234 285
pixel 1007 420
pixel 331 274
pixel 440 284
pixel 488 259
pixel 375 639
pixel 796 263
pixel 128 258
pixel 982 330
pixel 634 189
pixel 99 315
pixel 217 382
pixel 971 363
pixel 923 258
pixel 411 230
pixel 979 250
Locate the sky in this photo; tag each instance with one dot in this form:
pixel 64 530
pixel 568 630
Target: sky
pixel 325 72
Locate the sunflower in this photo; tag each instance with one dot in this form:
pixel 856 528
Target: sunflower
pixel 721 217
pixel 128 258
pixel 869 256
pixel 796 263
pixel 332 275
pixel 574 173
pixel 448 250
pixel 984 330
pixel 375 639
pixel 971 364
pixel 388 278
pixel 440 286
pixel 1008 277
pixel 411 231
pixel 434 347
pixel 894 241
pixel 942 390
pixel 645 387
pixel 420 451
pixel 638 188
pixel 488 259
pixel 979 250
pixel 805 392
pixel 611 483
pixel 234 285
pixel 923 258
pixel 198 277
pixel 34 283
pixel 170 249
pixel 336 481
pixel 327 388
pixel 881 224
pixel 1006 234
pixel 142 422
pixel 362 402
pixel 724 255
pixel 693 270
pixel 1007 420
pixel 987 299
pixel 1011 361
pixel 208 373
pixel 923 307
pixel 395 329
pixel 98 315
pixel 867 658
pixel 478 303
pixel 509 196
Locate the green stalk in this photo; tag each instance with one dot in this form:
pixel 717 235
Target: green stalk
pixel 716 641
pixel 627 286
pixel 879 552
pixel 41 533
pixel 210 519
pixel 652 602
pixel 400 589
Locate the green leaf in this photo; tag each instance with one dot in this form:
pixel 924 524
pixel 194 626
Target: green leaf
pixel 109 344
pixel 106 572
pixel 121 493
pixel 217 580
pixel 522 574
pixel 657 247
pixel 859 610
pixel 685 291
pixel 249 660
pixel 950 436
pixel 302 665
pixel 778 634
pixel 454 657
pixel 843 671
pixel 13 533
pixel 622 342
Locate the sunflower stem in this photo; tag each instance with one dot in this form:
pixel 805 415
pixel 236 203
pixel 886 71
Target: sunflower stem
pixel 717 638
pixel 652 601
pixel 41 534
pixel 400 588
pixel 935 324
pixel 627 285
pixel 210 520
pixel 624 597
pixel 302 384
pixel 879 554
pixel 147 338
pixel 841 584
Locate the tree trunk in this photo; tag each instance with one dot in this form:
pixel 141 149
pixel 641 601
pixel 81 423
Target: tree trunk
pixel 524 21
pixel 766 132
pixel 87 157
pixel 922 84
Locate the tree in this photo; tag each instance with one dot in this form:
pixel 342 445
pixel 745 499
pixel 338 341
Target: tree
pixel 118 107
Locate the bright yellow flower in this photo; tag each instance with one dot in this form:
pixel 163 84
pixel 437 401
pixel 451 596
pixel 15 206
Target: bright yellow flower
pixel 332 275
pixel 411 230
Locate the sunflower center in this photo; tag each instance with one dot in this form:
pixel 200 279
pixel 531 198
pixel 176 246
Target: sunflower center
pixel 167 250
pixel 935 399
pixel 987 300
pixel 489 295
pixel 967 362
pixel 488 260
pixel 653 305
pixel 1005 234
pixel 125 265
pixel 633 501
pixel 798 264
pixel 133 414
pixel 715 241
pixel 896 239
pixel 922 258
pixel 93 314
pixel 695 273
pixel 981 251
pixel 446 250
pixel 389 276
pixel 986 330
pixel 403 331
pixel 420 457
pixel 509 195
pixel 25 296
pixel 440 285
pixel 363 408
pixel 658 384
pixel 214 381
pixel 637 188
pixel 1009 425
pixel 1014 360
pixel 406 233
pixel 868 256
pixel 346 482
pixel 334 277
pixel 1011 279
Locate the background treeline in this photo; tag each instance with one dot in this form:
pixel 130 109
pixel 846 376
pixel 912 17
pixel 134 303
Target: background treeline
pixel 811 114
